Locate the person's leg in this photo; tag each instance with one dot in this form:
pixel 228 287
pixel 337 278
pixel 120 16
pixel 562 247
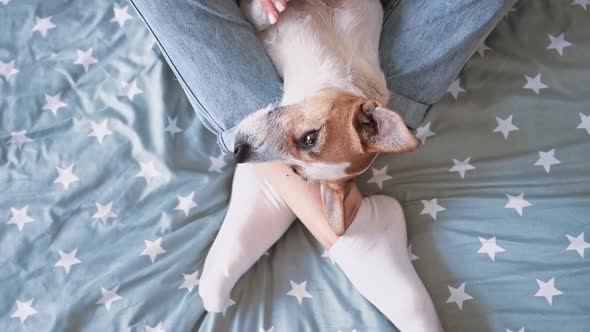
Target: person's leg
pixel 372 253
pixel 425 44
pixel 256 218
pixel 226 74
pixel 217 57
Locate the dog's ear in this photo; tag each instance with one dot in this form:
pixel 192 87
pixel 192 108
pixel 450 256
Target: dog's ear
pixel 334 194
pixel 382 130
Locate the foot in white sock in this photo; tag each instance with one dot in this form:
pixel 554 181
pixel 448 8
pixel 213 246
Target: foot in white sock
pixel 373 255
pixel 256 218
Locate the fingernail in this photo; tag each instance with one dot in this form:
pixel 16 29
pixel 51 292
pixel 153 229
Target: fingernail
pixel 280 7
pixel 272 19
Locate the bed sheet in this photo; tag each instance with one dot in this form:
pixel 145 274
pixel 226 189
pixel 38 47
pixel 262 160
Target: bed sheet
pixel 112 191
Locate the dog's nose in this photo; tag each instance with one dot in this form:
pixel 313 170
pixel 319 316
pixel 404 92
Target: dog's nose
pixel 242 152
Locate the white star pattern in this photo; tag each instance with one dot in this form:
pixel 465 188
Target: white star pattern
pixel 157 328
pixel 521 330
pixel 582 3
pixel 584 123
pixel 505 126
pixel 517 203
pixel 24 309
pixel 85 58
pixel 42 155
pixel 19 138
pixel 228 304
pixel 298 291
pixel 547 159
pixel 121 15
pixel 481 50
pixel 191 280
pixel 548 290
pixel 7 69
pixel 509 12
pixel 578 244
pixel 431 208
pixel 217 164
pixel 489 247
pixel 153 249
pixel 100 130
pixel 458 296
pixel 462 166
pixel 20 217
pixel 43 25
pixel 534 83
pixel 53 103
pixel 422 133
pixel 379 176
pixel 66 176
pixel 78 123
pixel 558 43
pixel 172 127
pixel 455 88
pixel 130 90
pixel 186 203
pixel 165 222
pixel 148 171
pixel 104 212
pixel 108 297
pixel 152 43
pixel 67 260
pixel 411 255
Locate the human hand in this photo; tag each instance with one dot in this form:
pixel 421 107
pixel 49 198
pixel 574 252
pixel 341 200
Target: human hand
pixel 273 9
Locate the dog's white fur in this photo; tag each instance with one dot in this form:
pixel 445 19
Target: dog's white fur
pixel 319 45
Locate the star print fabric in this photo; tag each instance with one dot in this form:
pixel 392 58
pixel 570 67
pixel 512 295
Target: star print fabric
pixel 111 190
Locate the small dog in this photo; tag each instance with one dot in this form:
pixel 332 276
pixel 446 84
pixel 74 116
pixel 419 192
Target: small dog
pixel 331 122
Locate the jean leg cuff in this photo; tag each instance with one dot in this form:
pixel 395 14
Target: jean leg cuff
pixel 411 111
pixel 226 140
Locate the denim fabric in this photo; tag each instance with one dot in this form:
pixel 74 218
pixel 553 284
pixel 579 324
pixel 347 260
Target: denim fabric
pixel 425 44
pixel 227 74
pixel 216 56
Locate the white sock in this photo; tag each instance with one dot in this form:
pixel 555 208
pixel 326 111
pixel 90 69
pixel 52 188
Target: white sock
pixel 373 255
pixel 256 218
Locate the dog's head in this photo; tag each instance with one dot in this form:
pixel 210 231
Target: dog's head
pixel 330 138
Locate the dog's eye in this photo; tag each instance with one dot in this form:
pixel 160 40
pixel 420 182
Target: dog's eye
pixel 309 139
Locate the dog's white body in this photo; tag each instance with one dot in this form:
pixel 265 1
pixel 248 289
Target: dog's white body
pixel 319 45
pixel 327 43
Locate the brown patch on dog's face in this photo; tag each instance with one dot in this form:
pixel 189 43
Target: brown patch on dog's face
pixel 331 136
pixel 321 131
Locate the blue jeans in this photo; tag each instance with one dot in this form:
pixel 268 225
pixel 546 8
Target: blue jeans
pixel 227 74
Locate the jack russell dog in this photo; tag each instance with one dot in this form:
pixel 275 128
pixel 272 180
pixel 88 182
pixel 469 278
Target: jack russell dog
pixel 331 121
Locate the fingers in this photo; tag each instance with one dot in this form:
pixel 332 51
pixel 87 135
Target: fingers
pixel 280 5
pixel 273 9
